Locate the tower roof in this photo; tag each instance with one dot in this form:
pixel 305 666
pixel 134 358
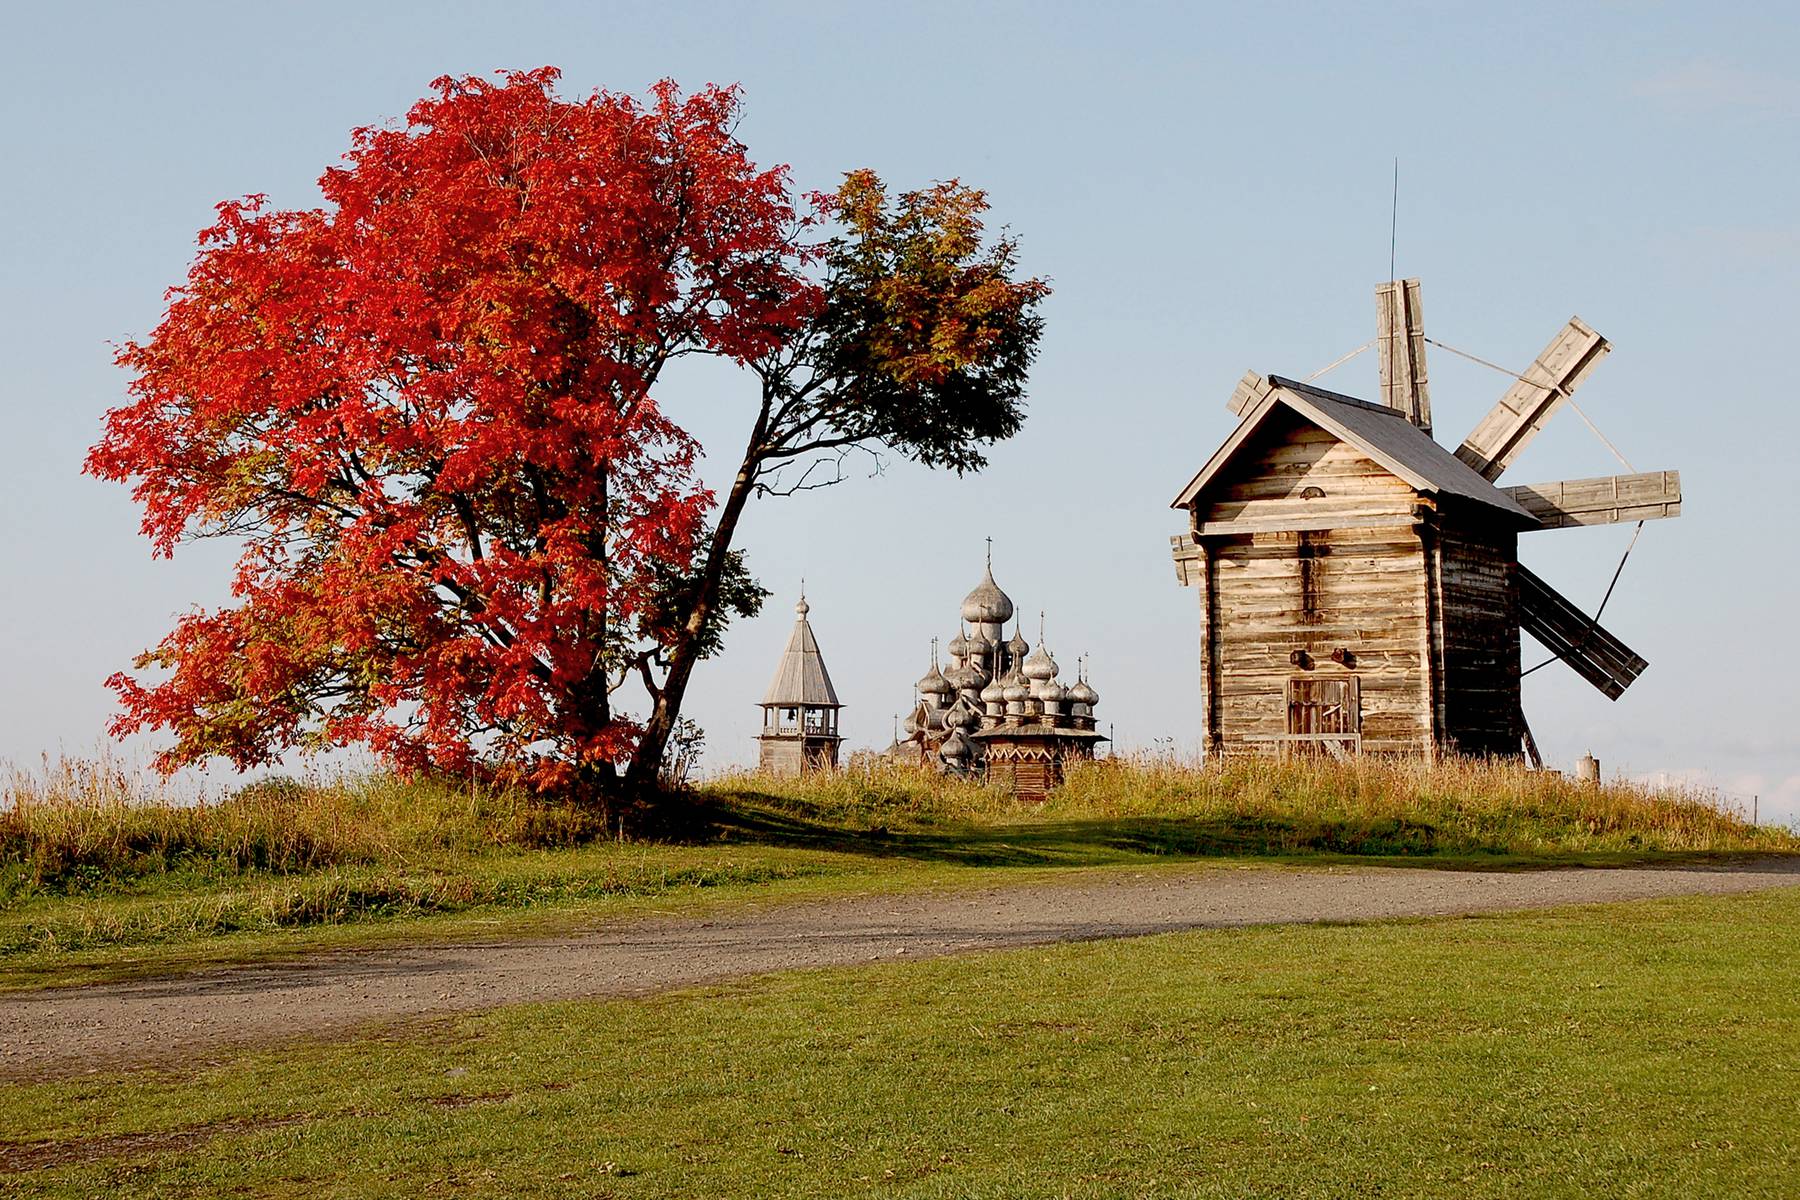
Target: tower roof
pixel 801 677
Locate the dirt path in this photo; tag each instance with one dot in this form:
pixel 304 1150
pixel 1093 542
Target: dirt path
pixel 67 1030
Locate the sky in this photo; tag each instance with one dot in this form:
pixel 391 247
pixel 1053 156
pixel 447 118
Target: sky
pixel 1209 188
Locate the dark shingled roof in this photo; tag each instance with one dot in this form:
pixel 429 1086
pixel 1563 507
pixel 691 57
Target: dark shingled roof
pixel 1383 433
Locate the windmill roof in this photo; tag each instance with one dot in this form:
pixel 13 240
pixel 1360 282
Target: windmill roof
pixel 1383 433
pixel 800 677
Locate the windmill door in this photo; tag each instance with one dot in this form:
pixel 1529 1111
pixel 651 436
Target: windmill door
pixel 1324 715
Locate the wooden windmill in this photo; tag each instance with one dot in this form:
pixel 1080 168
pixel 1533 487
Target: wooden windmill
pixel 1360 585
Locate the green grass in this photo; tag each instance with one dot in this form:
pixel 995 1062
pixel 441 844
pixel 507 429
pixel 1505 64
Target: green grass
pixel 100 879
pixel 1649 1049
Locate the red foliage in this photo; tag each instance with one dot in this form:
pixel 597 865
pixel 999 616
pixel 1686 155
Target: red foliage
pixel 426 411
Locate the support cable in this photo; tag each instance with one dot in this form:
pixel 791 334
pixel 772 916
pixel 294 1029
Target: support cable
pixel 1594 623
pixel 1536 383
pixel 1334 365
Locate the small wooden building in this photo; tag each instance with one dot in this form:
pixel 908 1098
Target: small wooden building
pixel 1356 584
pixel 1360 585
pixel 800 709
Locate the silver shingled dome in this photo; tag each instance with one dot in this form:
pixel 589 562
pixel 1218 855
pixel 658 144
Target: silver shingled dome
pixel 987 604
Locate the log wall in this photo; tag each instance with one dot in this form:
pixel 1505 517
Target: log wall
pixel 1361 591
pixel 1480 638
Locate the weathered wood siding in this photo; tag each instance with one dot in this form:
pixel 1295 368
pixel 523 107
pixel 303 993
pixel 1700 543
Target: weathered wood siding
pixel 796 756
pixel 1479 693
pixel 1272 477
pixel 1362 591
pixel 1370 590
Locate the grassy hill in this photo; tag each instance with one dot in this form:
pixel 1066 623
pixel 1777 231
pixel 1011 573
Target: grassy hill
pixel 100 877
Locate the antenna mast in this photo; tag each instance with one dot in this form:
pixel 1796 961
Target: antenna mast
pixel 1394 220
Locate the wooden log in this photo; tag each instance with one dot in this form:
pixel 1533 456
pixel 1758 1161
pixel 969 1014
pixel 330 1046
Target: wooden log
pixel 1400 337
pixel 1288 521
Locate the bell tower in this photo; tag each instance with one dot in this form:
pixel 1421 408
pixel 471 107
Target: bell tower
pixel 800 709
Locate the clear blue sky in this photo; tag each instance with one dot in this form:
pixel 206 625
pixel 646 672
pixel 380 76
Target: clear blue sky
pixel 1208 187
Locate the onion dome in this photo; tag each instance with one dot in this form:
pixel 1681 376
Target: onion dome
pixel 955 748
pixel 1081 693
pixel 987 604
pixel 959 645
pixel 978 645
pixel 911 725
pixel 961 716
pixel 994 693
pixel 1039 665
pixel 934 683
pixel 1017 647
pixel 965 679
pixel 1017 690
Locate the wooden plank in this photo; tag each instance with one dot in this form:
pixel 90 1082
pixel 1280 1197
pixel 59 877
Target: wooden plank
pixel 1306 523
pixel 1209 653
pixel 1250 389
pixel 1531 401
pixel 1608 500
pixel 1188 555
pixel 1481 641
pixel 1432 636
pixel 1596 655
pixel 1400 337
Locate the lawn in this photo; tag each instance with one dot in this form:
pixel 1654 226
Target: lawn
pixel 101 880
pixel 1628 1050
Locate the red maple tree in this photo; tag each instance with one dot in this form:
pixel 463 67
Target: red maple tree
pixel 425 411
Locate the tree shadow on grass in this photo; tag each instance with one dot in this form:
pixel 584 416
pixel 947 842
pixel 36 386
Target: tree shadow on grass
pixel 761 818
pixel 765 819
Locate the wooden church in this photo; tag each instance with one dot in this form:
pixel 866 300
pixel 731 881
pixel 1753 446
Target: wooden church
pixel 1360 586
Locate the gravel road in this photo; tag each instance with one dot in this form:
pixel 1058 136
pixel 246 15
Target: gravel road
pixel 67 1030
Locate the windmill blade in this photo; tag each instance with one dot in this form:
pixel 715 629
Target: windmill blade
pixel 1530 401
pixel 1400 334
pixel 1610 500
pixel 1574 637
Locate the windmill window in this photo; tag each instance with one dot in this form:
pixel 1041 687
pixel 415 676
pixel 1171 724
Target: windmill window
pixel 1312 493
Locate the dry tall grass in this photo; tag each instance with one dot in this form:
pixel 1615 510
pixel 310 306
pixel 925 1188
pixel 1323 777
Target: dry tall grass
pixel 1406 805
pixel 79 821
pixel 79 825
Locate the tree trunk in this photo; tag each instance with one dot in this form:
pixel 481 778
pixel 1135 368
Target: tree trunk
pixel 646 763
